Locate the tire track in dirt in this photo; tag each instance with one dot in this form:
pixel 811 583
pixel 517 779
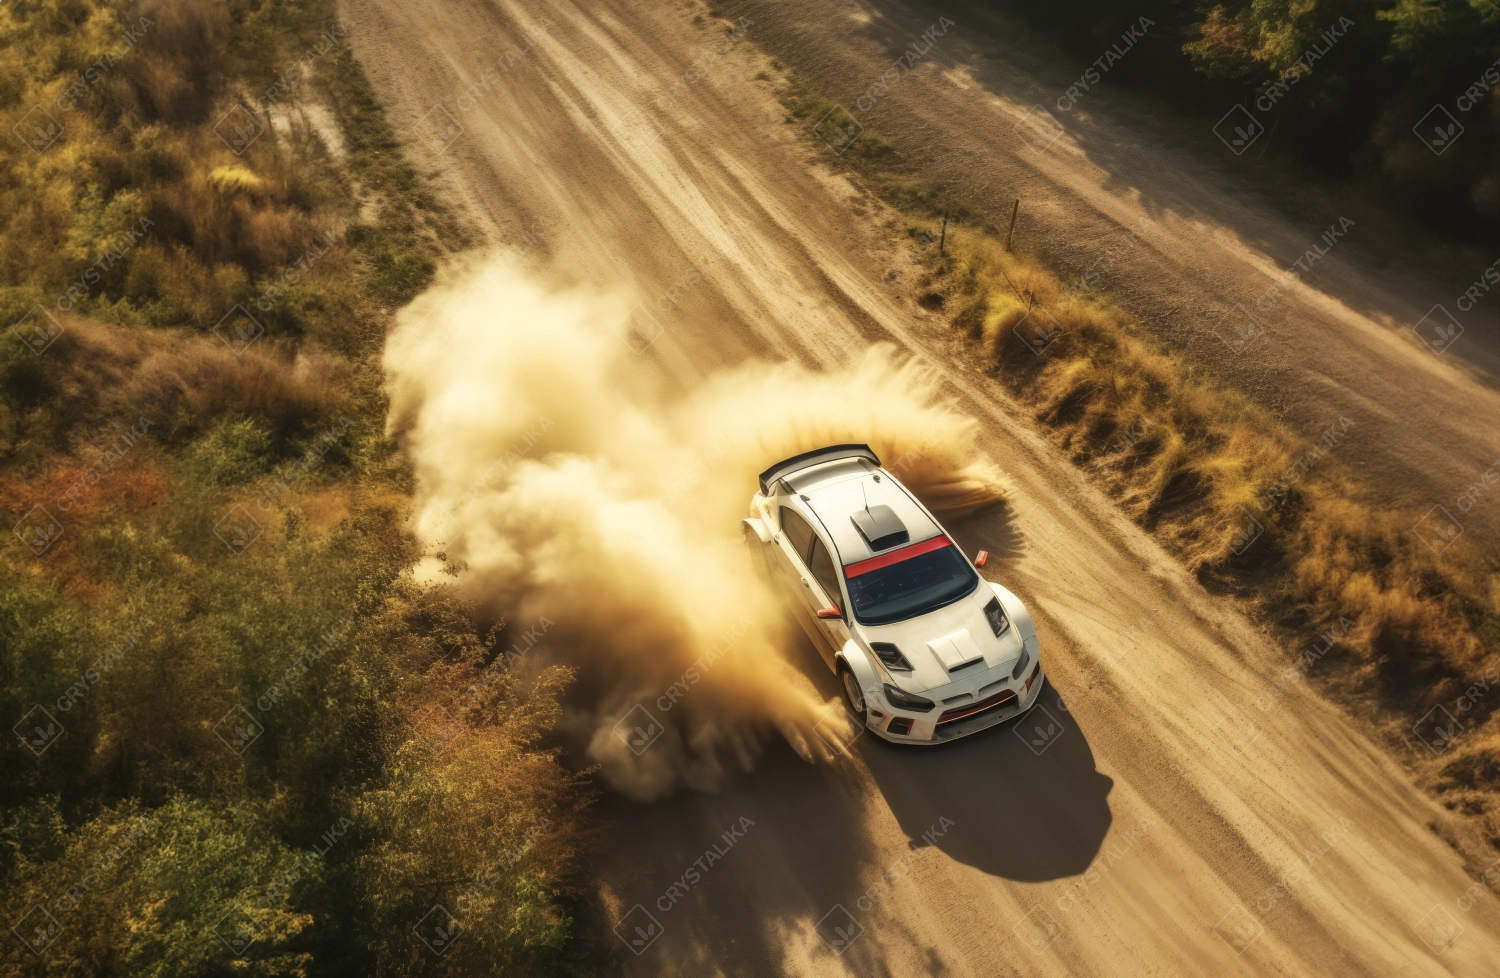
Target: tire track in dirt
pixel 1139 827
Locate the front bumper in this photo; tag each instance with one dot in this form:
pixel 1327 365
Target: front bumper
pixel 925 730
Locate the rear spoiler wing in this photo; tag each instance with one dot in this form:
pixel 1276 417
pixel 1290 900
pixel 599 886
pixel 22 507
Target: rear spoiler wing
pixel 807 460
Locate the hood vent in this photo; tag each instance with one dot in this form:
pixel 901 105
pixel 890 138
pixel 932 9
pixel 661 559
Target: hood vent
pixel 891 656
pixel 956 650
pixel 881 527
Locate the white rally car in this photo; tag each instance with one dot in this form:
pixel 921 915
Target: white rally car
pixel 927 650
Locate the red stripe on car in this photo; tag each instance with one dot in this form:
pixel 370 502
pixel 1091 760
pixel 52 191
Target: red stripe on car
pixel 896 556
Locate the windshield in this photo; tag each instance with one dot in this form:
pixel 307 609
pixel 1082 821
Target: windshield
pixel 910 587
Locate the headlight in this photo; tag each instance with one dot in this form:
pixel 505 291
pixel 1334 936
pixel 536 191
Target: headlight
pixel 1021 663
pixel 996 617
pixel 906 700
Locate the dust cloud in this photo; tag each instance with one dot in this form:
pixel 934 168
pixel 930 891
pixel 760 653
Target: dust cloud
pixel 562 476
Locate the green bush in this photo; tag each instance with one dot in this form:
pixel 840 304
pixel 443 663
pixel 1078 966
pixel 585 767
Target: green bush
pixel 222 659
pixel 1350 106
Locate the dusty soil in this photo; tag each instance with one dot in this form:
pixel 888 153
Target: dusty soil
pixel 1337 343
pixel 1180 795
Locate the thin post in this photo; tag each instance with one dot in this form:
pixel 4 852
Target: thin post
pixel 1013 210
pixel 943 240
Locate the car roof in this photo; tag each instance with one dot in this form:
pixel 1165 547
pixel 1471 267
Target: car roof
pixel 836 491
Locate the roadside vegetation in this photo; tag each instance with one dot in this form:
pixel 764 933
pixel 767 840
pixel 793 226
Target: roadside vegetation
pixel 245 740
pixel 1360 603
pixel 1367 94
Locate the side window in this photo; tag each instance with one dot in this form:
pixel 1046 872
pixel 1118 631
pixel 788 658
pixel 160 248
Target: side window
pixel 798 532
pixel 827 575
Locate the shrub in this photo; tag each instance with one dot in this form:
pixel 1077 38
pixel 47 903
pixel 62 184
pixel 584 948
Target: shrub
pixel 1187 459
pixel 140 631
pixel 152 891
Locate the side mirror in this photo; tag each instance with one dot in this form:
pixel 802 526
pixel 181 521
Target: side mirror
pixel 981 557
pixel 829 613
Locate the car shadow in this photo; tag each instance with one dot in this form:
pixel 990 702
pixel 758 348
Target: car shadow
pixel 805 852
pixel 1021 800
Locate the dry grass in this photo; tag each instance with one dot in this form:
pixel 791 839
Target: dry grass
pixel 246 431
pixel 1193 462
pixel 95 374
pixel 190 43
pixel 1183 456
pixel 138 150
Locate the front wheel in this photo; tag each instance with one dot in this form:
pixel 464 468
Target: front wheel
pixel 853 695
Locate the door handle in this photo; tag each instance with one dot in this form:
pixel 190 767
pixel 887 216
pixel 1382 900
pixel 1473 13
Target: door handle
pixel 805 584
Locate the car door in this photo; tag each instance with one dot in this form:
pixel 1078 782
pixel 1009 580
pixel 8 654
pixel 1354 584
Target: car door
pixel 825 592
pixel 795 543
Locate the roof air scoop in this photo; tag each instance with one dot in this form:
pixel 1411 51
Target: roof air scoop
pixel 881 527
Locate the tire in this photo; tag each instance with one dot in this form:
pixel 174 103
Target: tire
pixel 854 697
pixel 756 551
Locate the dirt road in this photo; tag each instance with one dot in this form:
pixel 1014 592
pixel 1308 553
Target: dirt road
pixel 1179 812
pixel 1214 273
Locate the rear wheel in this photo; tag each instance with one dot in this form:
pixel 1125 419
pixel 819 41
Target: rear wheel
pixel 756 551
